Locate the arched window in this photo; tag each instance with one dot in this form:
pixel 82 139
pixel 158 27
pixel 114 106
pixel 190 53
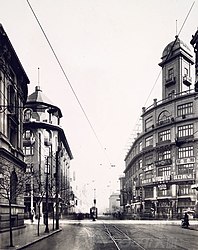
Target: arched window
pixel 11 98
pixel 27 115
pixel 13 187
pixel 47 137
pixel 164 117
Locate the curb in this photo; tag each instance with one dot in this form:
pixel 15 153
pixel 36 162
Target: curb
pixel 39 239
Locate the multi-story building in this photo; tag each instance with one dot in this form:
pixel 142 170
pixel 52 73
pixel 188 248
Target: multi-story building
pixel 162 163
pixel 114 203
pixel 47 155
pixel 13 95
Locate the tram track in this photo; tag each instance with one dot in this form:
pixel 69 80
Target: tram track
pixel 123 241
pixel 117 235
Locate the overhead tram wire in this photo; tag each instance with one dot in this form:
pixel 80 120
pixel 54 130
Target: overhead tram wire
pixel 176 37
pixel 67 79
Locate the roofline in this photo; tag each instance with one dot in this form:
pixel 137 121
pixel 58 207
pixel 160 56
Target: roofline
pixel 52 127
pixel 3 33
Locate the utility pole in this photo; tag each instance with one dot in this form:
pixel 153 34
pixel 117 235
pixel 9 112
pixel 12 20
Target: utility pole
pixel 57 189
pixel 47 193
pixel 32 191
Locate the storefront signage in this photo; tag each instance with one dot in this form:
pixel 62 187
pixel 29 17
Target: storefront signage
pixel 162 187
pixel 163 162
pixel 161 178
pixel 147 181
pixel 183 176
pixel 185 160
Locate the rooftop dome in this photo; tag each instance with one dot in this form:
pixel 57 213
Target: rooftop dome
pixel 39 98
pixel 177 44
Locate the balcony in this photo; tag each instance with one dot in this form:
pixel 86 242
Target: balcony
pixel 170 81
pixel 27 142
pixel 187 80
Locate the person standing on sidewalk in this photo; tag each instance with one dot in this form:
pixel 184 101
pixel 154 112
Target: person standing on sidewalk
pixel 32 215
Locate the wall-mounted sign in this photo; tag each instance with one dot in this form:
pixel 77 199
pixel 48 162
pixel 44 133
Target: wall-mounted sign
pixel 185 160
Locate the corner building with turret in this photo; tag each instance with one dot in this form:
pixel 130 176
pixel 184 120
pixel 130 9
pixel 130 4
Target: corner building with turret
pixel 47 155
pixel 161 165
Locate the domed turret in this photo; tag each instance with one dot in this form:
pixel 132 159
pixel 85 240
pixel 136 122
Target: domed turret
pixel 176 68
pixel 38 100
pixel 174 49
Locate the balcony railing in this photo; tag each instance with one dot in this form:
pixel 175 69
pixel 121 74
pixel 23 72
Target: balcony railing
pixel 187 80
pixel 170 81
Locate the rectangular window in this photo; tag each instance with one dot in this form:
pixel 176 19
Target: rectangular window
pixel 149 122
pixel 140 163
pixel 185 152
pixel 27 135
pixel 29 168
pixel 149 192
pixel 164 192
pixel 149 160
pixel 164 155
pixel 140 146
pixel 149 174
pixel 164 171
pixel 185 130
pixel 186 168
pixel 149 141
pixel 170 74
pixel 28 188
pixel 184 189
pixel 164 135
pixel 185 109
pixel 185 71
pixel 28 150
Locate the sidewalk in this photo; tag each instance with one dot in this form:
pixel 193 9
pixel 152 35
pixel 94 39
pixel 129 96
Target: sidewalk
pixel 25 236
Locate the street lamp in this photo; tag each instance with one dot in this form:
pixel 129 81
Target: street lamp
pixel 47 181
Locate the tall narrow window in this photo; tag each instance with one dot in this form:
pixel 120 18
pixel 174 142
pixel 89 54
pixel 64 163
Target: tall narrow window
pixel 164 171
pixel 185 109
pixel 170 74
pixel 185 152
pixel 148 123
pixel 185 130
pixel 185 71
pixel 28 150
pixel 140 146
pixel 186 168
pixel 164 135
pixel 11 98
pixel 164 155
pixel 13 187
pixel 27 114
pixel 149 141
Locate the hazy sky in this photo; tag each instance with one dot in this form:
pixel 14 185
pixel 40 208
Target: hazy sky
pixel 110 50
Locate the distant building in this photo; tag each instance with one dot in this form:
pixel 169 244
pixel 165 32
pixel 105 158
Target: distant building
pixel 123 194
pixel 162 163
pixel 47 155
pixel 13 95
pixel 114 203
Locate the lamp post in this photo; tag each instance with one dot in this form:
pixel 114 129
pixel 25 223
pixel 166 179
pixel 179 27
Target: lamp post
pixel 47 186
